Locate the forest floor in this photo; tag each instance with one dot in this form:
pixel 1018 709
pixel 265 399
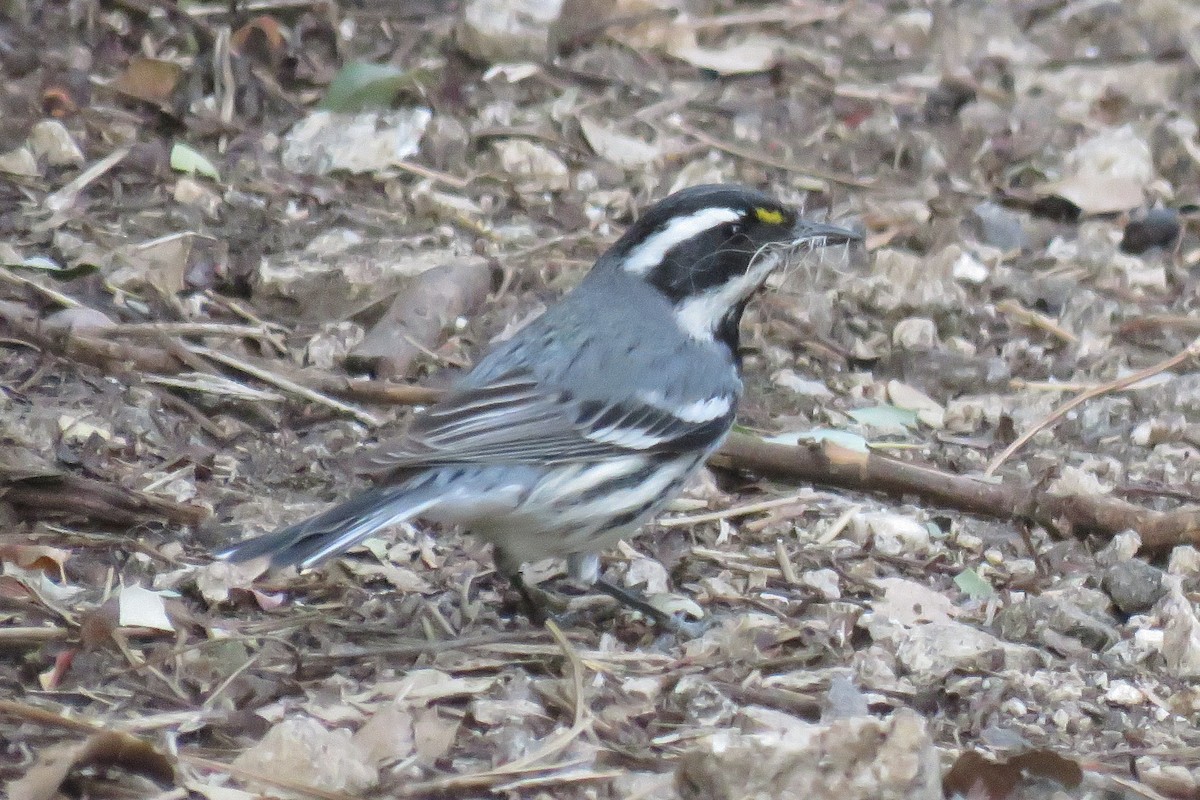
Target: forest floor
pixel 231 255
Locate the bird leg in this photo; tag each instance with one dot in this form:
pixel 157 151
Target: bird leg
pixel 538 604
pixel 585 567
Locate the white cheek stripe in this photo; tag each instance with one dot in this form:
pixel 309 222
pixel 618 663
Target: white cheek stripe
pixel 699 316
pixel 650 252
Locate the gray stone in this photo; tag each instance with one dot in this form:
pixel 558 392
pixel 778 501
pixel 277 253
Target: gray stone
pixel 1000 227
pixel 851 759
pixel 1133 585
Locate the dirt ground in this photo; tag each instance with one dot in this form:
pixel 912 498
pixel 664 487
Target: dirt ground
pixel 238 245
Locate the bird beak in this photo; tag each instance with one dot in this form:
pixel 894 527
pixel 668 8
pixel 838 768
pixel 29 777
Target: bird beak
pixel 820 234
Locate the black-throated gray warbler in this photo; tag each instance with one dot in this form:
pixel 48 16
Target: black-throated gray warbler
pixel 570 435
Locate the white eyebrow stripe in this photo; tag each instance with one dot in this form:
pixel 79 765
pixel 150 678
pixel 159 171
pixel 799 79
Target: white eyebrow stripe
pixel 650 252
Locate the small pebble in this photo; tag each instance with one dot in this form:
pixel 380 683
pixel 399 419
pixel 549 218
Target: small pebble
pixel 1000 227
pixel 1159 228
pixel 1133 585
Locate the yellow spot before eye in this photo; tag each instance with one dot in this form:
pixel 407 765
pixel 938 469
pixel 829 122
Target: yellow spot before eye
pixel 769 216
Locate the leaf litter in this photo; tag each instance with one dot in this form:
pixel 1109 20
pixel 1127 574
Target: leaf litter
pixel 206 213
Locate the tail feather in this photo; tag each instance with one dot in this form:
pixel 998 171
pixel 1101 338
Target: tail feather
pixel 315 539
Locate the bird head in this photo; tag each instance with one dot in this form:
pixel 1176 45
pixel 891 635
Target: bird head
pixel 707 249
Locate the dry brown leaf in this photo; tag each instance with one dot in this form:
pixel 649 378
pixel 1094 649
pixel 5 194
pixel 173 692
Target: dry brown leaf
pixel 49 560
pixel 975 776
pixel 433 734
pixel 1097 194
pixel 151 80
pixel 97 625
pixel 304 751
pixel 420 315
pixel 103 750
pixel 220 792
pixel 216 579
pixel 402 579
pixel 261 37
pixel 23 583
pixel 141 608
pixel 907 603
pixel 743 55
pixel 1107 173
pixel 532 167
pixel 170 264
pixel 388 735
pixel 621 149
pixel 909 398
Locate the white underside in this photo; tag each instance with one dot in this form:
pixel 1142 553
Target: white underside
pixel 530 525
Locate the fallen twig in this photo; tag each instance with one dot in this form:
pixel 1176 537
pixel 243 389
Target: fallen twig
pixel 73 495
pixel 63 198
pixel 828 464
pixel 153 330
pixel 1012 308
pixel 129 361
pixel 1191 351
pixel 802 177
pixel 285 383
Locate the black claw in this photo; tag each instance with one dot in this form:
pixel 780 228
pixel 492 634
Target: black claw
pixel 541 606
pixel 538 605
pixel 674 623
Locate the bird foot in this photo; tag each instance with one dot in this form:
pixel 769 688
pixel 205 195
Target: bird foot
pixel 678 624
pixel 541 606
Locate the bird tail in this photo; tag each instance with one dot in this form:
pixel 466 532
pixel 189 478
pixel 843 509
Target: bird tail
pixel 310 542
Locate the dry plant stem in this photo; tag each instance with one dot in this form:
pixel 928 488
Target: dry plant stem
pixel 802 177
pixel 736 511
pixel 126 360
pixel 253 6
pixel 21 637
pixel 27 635
pixel 424 647
pixel 94 500
pixel 830 465
pixel 825 466
pixel 48 292
pixel 286 384
pixel 554 744
pixel 1191 351
pixel 62 199
pixel 792 17
pixel 153 330
pixel 1033 319
pixel 1153 323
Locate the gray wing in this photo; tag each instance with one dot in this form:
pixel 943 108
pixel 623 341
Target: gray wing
pixel 515 419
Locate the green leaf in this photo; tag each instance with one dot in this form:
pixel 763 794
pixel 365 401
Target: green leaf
pixel 359 85
pixel 884 417
pixel 973 585
pixel 44 263
pixel 851 441
pixel 185 159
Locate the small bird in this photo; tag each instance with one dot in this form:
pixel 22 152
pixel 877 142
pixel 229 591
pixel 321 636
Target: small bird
pixel 572 434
